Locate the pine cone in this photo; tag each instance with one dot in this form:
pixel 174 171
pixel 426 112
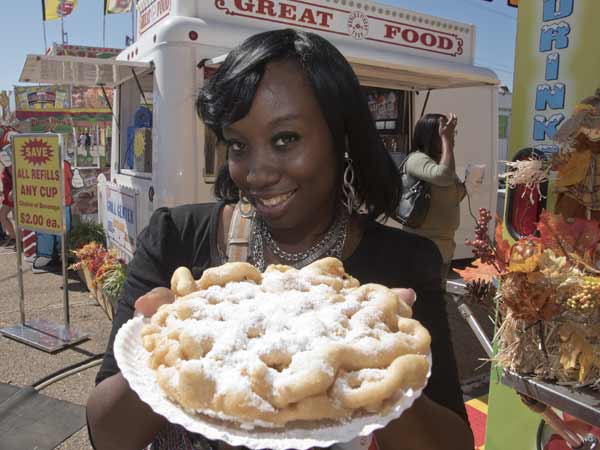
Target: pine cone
pixel 480 292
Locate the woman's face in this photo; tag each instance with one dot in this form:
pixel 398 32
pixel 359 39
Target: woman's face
pixel 281 154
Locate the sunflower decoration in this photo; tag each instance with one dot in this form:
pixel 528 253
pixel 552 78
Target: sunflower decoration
pixel 139 144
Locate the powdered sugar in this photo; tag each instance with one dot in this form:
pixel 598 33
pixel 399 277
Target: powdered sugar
pixel 267 346
pixel 132 359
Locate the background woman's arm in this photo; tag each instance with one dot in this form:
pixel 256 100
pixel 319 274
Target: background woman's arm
pixel 446 131
pixel 423 167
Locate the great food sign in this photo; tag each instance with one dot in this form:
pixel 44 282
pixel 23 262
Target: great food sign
pixel 361 21
pixel 37 169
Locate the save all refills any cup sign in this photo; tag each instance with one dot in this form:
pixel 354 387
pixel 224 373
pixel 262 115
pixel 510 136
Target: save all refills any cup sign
pixel 370 22
pixel 37 183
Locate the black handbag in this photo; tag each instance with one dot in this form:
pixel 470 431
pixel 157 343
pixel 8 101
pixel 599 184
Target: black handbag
pixel 414 199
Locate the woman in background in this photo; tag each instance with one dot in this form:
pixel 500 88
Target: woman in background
pixel 432 160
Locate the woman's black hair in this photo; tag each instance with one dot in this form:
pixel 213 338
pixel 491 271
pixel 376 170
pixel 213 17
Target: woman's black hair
pixel 427 131
pixel 227 98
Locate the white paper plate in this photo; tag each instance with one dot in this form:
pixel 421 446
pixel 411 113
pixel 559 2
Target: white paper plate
pixel 132 359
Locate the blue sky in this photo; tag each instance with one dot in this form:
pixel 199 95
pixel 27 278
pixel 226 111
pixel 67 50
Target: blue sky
pixel 22 31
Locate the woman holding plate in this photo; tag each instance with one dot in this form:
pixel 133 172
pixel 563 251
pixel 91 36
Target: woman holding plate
pixel 303 151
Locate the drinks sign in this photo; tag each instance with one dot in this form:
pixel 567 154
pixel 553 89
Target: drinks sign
pixel 37 170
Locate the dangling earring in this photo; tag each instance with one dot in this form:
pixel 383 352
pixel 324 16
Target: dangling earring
pixel 349 201
pixel 246 208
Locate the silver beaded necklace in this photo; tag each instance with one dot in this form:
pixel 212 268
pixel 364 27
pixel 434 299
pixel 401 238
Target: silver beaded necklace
pixel 332 244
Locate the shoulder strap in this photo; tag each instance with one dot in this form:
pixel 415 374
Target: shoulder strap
pixel 402 165
pixel 240 227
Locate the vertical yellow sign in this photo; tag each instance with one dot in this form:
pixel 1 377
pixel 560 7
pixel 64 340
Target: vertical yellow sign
pixel 38 194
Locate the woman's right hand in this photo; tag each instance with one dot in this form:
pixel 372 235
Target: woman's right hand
pixel 149 303
pixel 448 127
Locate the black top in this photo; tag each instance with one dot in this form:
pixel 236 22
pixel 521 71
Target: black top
pixel 186 236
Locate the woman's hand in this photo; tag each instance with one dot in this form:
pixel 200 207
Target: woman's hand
pixel 448 127
pixel 407 295
pixel 149 303
pixel 447 132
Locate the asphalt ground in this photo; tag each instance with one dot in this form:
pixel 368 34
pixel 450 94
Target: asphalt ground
pixel 22 365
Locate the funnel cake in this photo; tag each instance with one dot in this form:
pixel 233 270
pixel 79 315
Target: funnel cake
pixel 286 345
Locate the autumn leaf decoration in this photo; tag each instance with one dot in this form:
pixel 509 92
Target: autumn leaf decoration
pixel 576 239
pixel 502 246
pixel 577 353
pixel 478 270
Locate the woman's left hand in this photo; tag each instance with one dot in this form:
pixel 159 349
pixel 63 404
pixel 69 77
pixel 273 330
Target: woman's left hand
pixel 407 295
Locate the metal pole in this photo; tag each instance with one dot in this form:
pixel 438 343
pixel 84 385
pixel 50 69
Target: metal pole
pixel 133 8
pixel 45 40
pixel 63 241
pixel 104 30
pixel 19 240
pixel 425 103
pixel 62 29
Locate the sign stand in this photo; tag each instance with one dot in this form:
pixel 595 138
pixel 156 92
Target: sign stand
pixel 43 335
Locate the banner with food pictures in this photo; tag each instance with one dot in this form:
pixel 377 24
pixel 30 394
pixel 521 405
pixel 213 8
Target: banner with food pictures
pixel 42 98
pixel 90 98
pixel 84 51
pixel 37 169
pixel 57 9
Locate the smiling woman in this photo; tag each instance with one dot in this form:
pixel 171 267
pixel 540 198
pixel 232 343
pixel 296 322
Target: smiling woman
pixel 282 159
pixel 307 168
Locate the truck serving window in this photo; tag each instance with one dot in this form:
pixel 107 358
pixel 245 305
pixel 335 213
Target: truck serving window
pixel 135 125
pixel 391 110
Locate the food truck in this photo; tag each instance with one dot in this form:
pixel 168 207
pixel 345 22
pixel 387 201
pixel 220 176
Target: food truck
pixel 162 155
